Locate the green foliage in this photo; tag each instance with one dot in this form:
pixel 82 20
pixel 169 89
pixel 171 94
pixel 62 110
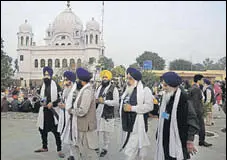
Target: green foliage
pixel 149 78
pixel 106 63
pixel 208 63
pixel 198 67
pixel 158 63
pixel 118 71
pixel 180 64
pixel 6 68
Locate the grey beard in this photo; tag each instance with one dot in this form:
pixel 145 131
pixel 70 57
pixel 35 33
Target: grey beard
pixel 167 96
pixel 129 90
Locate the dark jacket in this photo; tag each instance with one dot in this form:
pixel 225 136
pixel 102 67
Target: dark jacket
pixel 195 96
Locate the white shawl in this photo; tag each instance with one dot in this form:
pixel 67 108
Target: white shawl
pixel 54 96
pixel 175 146
pixel 139 136
pixel 65 136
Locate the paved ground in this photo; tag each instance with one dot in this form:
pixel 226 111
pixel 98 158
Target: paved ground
pixel 20 137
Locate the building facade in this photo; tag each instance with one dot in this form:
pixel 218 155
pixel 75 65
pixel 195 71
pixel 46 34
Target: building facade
pixel 67 45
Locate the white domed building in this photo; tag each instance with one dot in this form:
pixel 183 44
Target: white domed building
pixel 67 44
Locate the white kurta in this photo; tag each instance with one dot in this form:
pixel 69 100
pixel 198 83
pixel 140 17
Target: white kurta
pixel 65 136
pixel 139 140
pixel 102 124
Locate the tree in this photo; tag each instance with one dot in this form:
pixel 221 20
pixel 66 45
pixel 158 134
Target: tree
pixel 106 63
pixel 158 62
pixel 6 68
pixel 149 78
pixel 118 71
pixel 198 67
pixel 222 63
pixel 135 65
pixel 180 64
pixel 208 63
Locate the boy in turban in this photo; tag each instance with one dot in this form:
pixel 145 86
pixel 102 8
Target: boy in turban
pixel 48 117
pixel 136 103
pixel 107 99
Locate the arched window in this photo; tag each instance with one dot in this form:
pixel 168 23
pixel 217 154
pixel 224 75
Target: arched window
pixel 63 44
pixel 48 34
pixel 77 33
pixel 91 60
pixel 96 39
pixel 36 63
pixel 50 63
pixel 57 63
pixel 42 62
pixel 56 44
pixel 64 63
pixel 69 44
pixel 27 40
pixel 72 63
pixel 31 42
pixel 79 62
pixel 22 40
pixel 86 39
pixel 91 38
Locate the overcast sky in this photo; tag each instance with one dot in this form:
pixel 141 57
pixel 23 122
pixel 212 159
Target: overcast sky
pixel 188 30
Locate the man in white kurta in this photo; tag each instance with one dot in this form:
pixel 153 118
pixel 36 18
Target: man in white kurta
pixel 107 99
pixel 67 126
pixel 135 104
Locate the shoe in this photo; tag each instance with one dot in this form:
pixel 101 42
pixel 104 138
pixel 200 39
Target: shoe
pixel 103 153
pixel 61 155
pixel 41 150
pixel 205 144
pixel 71 158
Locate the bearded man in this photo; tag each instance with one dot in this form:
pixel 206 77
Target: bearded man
pixel 177 122
pixel 136 103
pixel 107 99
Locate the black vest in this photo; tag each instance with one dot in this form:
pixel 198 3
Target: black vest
pixel 128 118
pixel 108 111
pixel 212 95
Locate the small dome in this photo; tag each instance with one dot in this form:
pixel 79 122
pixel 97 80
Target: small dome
pixel 25 27
pixel 67 21
pixel 92 25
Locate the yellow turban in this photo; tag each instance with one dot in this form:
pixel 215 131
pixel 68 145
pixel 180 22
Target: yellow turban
pixel 107 74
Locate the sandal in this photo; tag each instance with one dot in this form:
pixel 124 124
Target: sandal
pixel 41 150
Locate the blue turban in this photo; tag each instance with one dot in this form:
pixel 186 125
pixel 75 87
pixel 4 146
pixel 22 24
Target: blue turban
pixel 83 74
pixel 134 73
pixel 207 81
pixel 49 70
pixel 172 79
pixel 70 76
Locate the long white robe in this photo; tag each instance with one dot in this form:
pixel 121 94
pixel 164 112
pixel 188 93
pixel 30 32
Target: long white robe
pixel 139 139
pixel 65 136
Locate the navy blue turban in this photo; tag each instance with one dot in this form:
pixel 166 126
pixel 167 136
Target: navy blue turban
pixel 70 76
pixel 197 77
pixel 207 81
pixel 49 70
pixel 172 79
pixel 83 74
pixel 134 73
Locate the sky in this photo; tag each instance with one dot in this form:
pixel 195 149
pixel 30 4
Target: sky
pixel 188 30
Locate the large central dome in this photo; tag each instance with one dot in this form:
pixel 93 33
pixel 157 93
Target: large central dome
pixel 67 21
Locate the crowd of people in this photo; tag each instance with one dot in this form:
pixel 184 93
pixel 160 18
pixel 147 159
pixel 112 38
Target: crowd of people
pixel 82 116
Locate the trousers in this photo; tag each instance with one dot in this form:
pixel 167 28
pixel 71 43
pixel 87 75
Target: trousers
pixel 44 134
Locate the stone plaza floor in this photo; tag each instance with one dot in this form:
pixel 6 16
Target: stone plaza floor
pixel 20 137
